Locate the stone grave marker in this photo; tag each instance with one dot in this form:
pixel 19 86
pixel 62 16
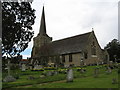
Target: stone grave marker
pixel 96 72
pixel 49 73
pixel 9 79
pixel 108 71
pixel 114 81
pixel 23 67
pixel 38 67
pixel 31 78
pixel 70 75
pixel 55 72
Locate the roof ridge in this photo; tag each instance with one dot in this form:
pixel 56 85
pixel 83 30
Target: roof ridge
pixel 72 37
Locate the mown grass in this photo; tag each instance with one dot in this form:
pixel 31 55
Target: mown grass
pixel 103 81
pixel 85 80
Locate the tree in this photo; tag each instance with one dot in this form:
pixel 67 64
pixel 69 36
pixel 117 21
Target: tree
pixel 17 21
pixel 113 49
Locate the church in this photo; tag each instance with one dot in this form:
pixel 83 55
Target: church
pixel 78 50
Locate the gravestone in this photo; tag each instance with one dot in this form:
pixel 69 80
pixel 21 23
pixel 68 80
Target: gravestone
pixel 9 79
pixel 55 72
pixel 114 81
pixel 38 67
pixel 42 76
pixel 108 71
pixel 70 75
pixel 23 67
pixel 49 73
pixel 96 72
pixel 31 78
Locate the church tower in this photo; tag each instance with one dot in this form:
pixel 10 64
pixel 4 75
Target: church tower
pixel 42 37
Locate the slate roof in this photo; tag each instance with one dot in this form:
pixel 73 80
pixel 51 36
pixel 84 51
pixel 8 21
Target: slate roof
pixel 64 46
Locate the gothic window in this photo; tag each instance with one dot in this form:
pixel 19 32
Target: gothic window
pixel 93 49
pixel 70 57
pixel 63 58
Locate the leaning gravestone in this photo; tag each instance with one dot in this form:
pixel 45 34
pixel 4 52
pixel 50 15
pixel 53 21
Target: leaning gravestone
pixel 23 67
pixel 70 75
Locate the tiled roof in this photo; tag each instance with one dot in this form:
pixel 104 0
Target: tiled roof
pixel 64 46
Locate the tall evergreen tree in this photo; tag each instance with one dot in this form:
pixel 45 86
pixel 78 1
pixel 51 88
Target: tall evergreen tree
pixel 113 49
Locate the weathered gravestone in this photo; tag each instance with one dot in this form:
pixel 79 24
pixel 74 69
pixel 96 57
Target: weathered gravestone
pixel 70 75
pixel 31 78
pixel 108 71
pixel 42 76
pixel 9 79
pixel 23 67
pixel 96 72
pixel 55 72
pixel 49 73
pixel 114 81
pixel 38 67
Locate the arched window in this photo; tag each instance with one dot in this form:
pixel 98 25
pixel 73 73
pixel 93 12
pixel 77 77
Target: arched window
pixel 93 49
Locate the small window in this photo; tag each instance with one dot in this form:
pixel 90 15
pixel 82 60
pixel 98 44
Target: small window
pixel 63 58
pixel 93 49
pixel 70 57
pixel 85 55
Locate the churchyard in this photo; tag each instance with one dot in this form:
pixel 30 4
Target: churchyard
pixel 76 77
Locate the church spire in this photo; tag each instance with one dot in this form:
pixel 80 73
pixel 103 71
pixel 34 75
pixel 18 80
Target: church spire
pixel 42 30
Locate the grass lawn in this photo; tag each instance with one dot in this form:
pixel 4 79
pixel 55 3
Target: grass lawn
pixel 103 81
pixel 59 81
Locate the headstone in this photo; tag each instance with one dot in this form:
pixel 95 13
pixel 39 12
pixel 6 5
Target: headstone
pixel 96 72
pixel 70 75
pixel 38 67
pixel 31 78
pixel 42 76
pixel 49 73
pixel 82 71
pixel 114 81
pixel 108 70
pixel 23 67
pixel 55 72
pixel 9 79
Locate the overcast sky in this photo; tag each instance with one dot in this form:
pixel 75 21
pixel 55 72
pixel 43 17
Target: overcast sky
pixel 66 18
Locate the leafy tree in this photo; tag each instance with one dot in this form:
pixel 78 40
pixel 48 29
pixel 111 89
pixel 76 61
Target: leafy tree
pixel 113 49
pixel 17 21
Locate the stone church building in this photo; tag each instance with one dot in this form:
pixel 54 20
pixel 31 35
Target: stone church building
pixel 82 49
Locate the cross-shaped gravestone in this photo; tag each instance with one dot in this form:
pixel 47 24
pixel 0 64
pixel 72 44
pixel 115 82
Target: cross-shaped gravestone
pixel 9 78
